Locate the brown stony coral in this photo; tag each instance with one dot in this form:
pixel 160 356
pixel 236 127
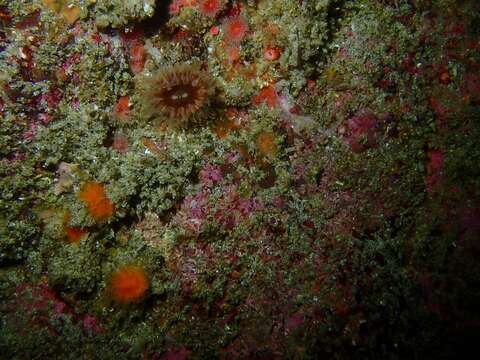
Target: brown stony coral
pixel 178 94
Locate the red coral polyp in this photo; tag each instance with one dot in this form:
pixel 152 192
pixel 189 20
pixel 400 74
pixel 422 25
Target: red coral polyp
pixel 74 235
pixel 267 95
pixel 362 132
pixel 435 163
pixel 235 29
pixel 210 8
pixel 138 56
pixel 122 108
pixel 272 53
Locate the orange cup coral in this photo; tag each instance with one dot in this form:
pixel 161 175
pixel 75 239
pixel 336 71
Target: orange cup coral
pixel 128 284
pixel 95 198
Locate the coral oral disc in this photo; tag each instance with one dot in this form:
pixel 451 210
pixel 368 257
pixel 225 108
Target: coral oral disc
pixel 177 94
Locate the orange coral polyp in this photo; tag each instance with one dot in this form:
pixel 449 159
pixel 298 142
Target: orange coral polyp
pixel 95 199
pixel 128 284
